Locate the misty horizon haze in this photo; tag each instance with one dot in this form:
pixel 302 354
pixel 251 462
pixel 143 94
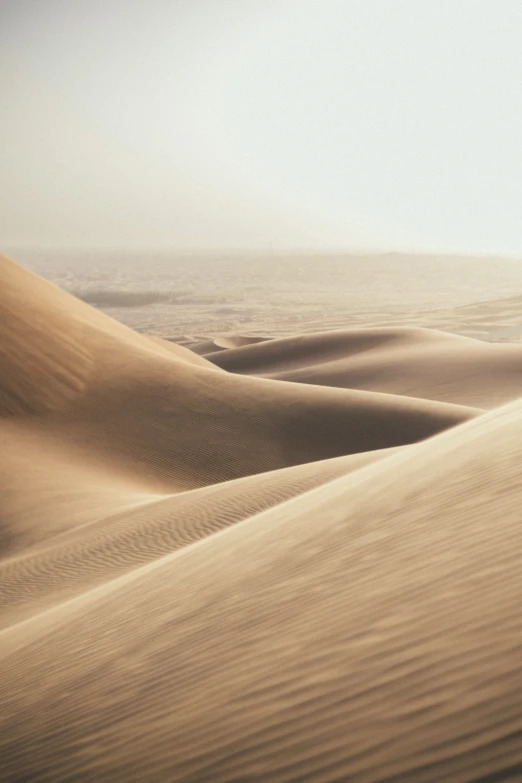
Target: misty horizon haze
pixel 338 126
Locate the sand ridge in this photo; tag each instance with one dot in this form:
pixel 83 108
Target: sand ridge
pixel 250 425
pixel 410 361
pixel 246 558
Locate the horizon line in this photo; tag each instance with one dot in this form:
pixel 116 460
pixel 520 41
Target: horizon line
pixel 262 250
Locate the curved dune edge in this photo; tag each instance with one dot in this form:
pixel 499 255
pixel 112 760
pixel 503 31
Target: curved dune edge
pixel 219 343
pixel 375 605
pixel 157 415
pixel 406 361
pixel 52 342
pixel 118 540
pixel 206 575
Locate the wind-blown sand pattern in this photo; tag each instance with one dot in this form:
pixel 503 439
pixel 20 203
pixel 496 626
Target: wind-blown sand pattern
pixel 250 559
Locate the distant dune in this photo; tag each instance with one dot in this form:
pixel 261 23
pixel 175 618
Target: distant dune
pixel 397 360
pixel 114 298
pixel 250 559
pixel 222 343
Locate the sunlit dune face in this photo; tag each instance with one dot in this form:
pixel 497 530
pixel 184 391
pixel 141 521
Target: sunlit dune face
pixel 237 532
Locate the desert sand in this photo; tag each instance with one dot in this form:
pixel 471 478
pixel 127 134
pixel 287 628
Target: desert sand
pixel 247 557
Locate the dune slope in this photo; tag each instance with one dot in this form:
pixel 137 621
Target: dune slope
pixel 167 418
pixel 91 532
pixel 206 575
pixel 368 630
pixel 407 361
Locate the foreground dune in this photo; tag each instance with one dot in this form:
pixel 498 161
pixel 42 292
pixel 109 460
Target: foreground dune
pixel 128 529
pixel 368 630
pixel 207 575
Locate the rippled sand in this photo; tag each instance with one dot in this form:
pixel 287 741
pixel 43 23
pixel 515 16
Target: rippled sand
pixel 248 558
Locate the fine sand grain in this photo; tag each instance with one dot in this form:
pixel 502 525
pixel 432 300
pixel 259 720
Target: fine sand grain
pixel 234 558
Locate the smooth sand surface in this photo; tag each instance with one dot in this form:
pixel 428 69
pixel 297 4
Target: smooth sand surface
pixel 222 343
pixel 273 560
pixel 409 361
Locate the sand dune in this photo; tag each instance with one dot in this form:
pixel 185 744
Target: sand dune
pixel 52 343
pixel 250 425
pixel 207 575
pixel 45 478
pixel 222 343
pixel 407 361
pixel 368 630
pixel 100 531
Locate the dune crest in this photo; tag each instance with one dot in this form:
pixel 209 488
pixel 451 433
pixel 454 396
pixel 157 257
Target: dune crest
pixel 51 343
pixel 415 362
pixel 250 425
pixel 329 614
pixel 255 559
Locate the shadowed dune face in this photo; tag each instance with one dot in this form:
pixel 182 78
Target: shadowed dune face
pixel 172 422
pixel 207 575
pixel 198 427
pixel 407 361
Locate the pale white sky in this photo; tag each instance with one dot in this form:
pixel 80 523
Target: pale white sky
pixel 236 123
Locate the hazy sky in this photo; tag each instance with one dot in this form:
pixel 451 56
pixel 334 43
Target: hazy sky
pixel 237 123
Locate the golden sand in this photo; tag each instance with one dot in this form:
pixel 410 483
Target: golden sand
pixel 293 559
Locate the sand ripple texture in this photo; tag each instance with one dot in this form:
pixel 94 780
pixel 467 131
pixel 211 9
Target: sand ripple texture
pixel 243 559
